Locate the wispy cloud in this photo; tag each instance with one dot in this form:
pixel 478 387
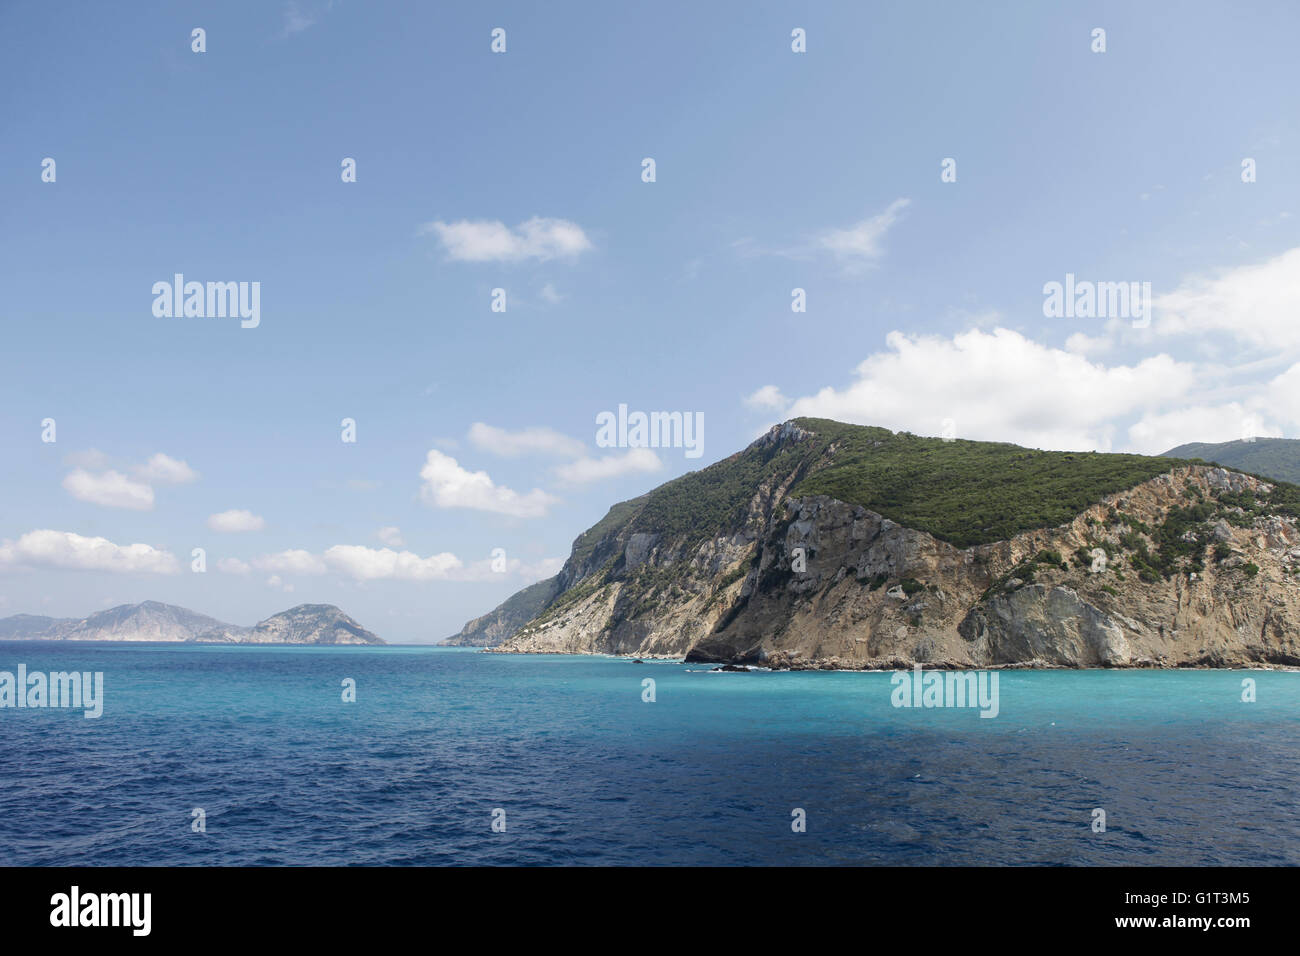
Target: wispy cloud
pixel 526 441
pixel 584 470
pixel 491 240
pixel 236 520
pixel 861 244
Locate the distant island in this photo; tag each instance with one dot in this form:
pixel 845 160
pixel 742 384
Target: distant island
pixel 154 621
pixel 825 545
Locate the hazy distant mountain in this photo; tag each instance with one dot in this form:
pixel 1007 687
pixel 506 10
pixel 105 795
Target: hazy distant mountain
pixel 1277 458
pixel 150 621
pixel 304 624
pixel 154 621
pixel 25 627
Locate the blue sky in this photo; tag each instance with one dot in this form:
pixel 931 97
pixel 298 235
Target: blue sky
pixel 522 171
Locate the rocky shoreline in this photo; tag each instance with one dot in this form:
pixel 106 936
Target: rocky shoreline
pixel 778 665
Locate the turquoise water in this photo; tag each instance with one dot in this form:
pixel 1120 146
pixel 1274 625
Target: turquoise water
pixel 586 772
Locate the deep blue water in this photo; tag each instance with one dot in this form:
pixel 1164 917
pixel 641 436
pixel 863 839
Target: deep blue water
pixel 589 774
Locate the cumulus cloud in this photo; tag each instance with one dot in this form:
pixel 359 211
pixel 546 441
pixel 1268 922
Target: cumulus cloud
pixel 1158 432
pixel 861 245
pixel 448 485
pixel 584 470
pixel 66 550
pixel 112 489
pixel 998 386
pixel 526 441
pixel 1254 304
pixel 236 520
pixel 163 470
pixel 362 563
pixel 293 561
pixel 370 564
pixel 487 240
pixel 92 481
pixel 767 398
pixel 390 535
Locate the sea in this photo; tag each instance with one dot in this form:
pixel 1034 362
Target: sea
pixel 256 755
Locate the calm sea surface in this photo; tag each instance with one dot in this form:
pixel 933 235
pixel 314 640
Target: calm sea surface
pixel 588 773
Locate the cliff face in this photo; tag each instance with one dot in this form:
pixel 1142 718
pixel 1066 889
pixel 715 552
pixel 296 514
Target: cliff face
pixel 498 624
pixel 1190 565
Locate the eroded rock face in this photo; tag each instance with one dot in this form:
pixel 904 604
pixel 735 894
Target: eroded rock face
pixel 814 582
pixel 1048 624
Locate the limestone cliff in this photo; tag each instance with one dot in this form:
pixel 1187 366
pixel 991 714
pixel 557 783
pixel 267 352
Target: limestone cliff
pixel 961 554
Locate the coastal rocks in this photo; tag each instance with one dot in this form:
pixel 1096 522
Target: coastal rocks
pixel 1043 623
pixel 808 581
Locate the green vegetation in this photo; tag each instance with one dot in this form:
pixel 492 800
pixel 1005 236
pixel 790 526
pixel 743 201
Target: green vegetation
pixel 615 518
pixel 967 492
pixel 964 492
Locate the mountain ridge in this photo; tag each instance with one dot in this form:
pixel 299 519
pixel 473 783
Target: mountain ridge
pixel 154 621
pixel 1276 458
pixel 831 545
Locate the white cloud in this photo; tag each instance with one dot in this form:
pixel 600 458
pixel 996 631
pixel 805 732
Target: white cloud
pixel 767 398
pixel 1158 432
pixel 1255 304
pixel 293 561
pixel 1282 395
pixel 236 520
pixel 527 441
pixel 549 294
pixel 390 535
pixel 166 471
pixel 493 241
pixel 362 563
pixel 370 564
pixel 998 386
pixel 860 244
pixel 64 549
pixel 583 470
pixel 448 485
pixel 112 489
pixel 274 582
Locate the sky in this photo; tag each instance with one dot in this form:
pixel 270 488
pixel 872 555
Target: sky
pixel 923 172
